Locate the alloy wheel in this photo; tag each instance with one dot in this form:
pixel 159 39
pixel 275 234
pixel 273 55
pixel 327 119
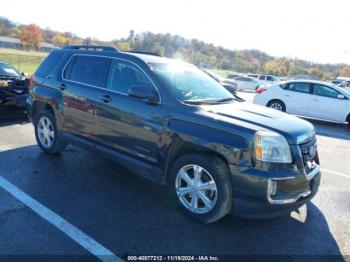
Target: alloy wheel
pixel 196 189
pixel 276 106
pixel 46 133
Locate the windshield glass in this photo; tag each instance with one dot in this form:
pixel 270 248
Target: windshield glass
pixel 8 70
pixel 188 83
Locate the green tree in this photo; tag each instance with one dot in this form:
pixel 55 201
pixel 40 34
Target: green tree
pixel 15 32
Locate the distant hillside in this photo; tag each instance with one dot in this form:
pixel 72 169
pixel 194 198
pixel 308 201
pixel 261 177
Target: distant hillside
pixel 191 50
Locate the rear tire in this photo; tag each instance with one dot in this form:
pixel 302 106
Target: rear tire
pixel 348 120
pixel 202 186
pixel 46 133
pixel 277 104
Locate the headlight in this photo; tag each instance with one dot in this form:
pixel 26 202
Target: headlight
pixel 272 147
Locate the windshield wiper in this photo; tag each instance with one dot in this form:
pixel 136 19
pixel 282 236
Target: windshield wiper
pixel 196 101
pixel 225 99
pixel 209 101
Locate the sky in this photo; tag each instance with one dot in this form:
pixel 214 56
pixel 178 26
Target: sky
pixel 314 30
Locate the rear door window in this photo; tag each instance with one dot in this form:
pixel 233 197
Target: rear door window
pixel 89 70
pixel 262 77
pixel 300 87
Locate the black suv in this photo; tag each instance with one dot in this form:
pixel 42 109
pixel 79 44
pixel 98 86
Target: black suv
pixel 170 122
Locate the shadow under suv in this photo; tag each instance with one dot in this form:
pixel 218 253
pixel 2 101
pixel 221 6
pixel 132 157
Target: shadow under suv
pixel 168 121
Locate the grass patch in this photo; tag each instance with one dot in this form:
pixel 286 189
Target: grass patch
pixel 24 61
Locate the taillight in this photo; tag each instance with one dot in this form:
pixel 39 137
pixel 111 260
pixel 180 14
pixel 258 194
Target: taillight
pixel 260 90
pixel 31 80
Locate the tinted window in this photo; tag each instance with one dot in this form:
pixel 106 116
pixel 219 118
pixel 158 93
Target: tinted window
pixel 270 78
pixel 123 75
pixel 300 87
pixel 88 70
pixel 47 66
pixel 322 90
pixel 68 69
pixel 262 77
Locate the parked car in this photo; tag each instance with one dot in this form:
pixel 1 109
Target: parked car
pixel 170 122
pixel 13 87
pixel 253 75
pixel 232 76
pixel 230 85
pixel 340 80
pixel 247 83
pixel 268 79
pixel 344 84
pixel 313 99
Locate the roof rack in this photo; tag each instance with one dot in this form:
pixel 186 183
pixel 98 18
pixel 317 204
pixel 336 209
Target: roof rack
pixel 91 48
pixel 144 53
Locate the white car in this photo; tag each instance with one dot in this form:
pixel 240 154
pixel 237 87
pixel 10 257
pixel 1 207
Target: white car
pixel 247 83
pixel 266 79
pixel 307 98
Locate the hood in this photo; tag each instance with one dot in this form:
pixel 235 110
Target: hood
pixel 291 127
pixel 10 81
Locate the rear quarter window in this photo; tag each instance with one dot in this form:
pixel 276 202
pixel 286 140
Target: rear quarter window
pixel 300 87
pixel 49 64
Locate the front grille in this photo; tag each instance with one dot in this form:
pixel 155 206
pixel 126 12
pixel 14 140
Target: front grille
pixel 309 153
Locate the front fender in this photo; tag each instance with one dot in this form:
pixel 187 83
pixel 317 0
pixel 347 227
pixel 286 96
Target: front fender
pixel 235 149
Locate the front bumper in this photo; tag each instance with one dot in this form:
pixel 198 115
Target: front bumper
pixel 258 196
pixel 14 101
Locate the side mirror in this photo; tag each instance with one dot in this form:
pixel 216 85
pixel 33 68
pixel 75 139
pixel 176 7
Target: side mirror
pixel 24 74
pixel 143 92
pixel 340 96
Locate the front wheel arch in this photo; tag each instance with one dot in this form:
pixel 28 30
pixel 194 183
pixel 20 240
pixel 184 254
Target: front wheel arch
pixel 181 148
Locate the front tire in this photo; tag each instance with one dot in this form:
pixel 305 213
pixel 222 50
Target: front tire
pixel 277 105
pixel 47 135
pixel 202 186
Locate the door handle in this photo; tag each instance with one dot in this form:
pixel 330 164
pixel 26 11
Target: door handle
pixel 62 87
pixel 287 95
pixel 105 98
pixel 315 100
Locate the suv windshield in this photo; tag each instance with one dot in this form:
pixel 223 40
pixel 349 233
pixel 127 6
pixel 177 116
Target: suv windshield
pixel 189 84
pixel 8 70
